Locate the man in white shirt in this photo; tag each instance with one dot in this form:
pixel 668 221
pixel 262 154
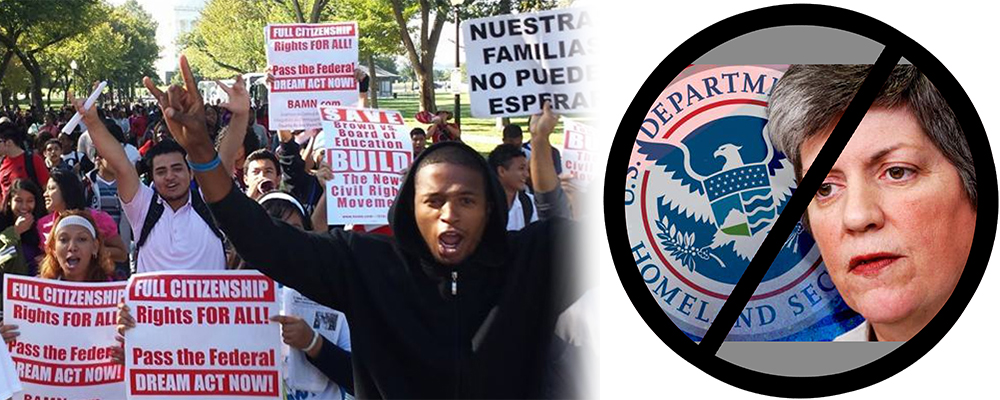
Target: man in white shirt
pixel 172 226
pixel 511 167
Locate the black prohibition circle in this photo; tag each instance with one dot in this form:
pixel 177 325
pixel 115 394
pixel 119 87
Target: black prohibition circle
pixel 778 385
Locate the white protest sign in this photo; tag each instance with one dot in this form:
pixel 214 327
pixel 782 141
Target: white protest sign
pixel 577 156
pixel 311 65
pixel 66 330
pixel 367 150
pixel 302 375
pixel 517 61
pixel 9 382
pixel 203 335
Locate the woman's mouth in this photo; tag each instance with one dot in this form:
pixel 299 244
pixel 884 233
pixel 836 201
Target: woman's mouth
pixel 72 262
pixel 871 264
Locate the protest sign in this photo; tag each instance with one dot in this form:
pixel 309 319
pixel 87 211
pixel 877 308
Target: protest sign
pixel 367 150
pixel 303 375
pixel 203 335
pixel 577 156
pixel 9 382
pixel 517 61
pixel 66 329
pixel 311 65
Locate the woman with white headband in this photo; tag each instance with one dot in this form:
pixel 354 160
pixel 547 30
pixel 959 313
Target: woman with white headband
pixel 75 253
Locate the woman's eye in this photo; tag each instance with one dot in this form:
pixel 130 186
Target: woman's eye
pixel 825 190
pixel 898 173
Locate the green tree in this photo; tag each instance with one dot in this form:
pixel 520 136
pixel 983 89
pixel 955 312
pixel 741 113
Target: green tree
pixel 229 37
pixel 422 49
pixel 15 81
pixel 488 8
pixel 97 54
pixel 138 29
pixel 304 11
pixel 58 74
pixel 29 27
pixel 379 35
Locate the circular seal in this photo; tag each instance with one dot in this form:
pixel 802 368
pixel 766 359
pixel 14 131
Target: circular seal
pixel 709 186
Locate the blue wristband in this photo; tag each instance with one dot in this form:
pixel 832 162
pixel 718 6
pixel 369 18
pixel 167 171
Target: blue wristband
pixel 206 166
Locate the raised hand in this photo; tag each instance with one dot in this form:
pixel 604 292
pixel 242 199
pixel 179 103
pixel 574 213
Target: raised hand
pixel 542 124
pixel 323 172
pixel 89 114
pixel 541 165
pixel 239 98
pixel 184 111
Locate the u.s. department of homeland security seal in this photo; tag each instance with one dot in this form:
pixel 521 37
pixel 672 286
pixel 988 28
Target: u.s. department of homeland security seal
pixel 706 185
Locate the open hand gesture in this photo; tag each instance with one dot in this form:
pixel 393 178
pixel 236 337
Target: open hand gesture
pixel 183 110
pixel 239 98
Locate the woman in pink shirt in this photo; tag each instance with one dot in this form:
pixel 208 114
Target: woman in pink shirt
pixel 64 191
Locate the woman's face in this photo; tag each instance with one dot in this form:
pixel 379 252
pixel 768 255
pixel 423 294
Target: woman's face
pixel 892 219
pixel 23 203
pixel 76 250
pixel 53 197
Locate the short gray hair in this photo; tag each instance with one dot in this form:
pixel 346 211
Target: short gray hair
pixel 809 98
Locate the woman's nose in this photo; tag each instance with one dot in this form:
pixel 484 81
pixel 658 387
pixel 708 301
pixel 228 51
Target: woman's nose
pixel 863 209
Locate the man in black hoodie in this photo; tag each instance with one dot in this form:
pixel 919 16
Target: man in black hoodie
pixel 452 306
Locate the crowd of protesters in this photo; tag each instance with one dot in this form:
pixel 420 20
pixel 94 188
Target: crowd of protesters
pixel 118 195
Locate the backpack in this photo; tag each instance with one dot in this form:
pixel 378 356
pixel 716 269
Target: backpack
pixel 156 211
pixel 527 206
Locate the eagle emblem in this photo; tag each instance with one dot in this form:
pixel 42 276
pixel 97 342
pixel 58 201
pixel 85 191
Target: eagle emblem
pixel 720 193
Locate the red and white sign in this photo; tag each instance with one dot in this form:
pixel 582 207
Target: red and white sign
pixel 203 335
pixel 66 330
pixel 577 151
pixel 311 65
pixel 368 150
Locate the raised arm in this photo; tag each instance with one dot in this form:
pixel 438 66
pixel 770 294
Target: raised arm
pixel 319 217
pixel 184 112
pixel 111 150
pixel 541 165
pixel 550 199
pixel 239 105
pixel 312 264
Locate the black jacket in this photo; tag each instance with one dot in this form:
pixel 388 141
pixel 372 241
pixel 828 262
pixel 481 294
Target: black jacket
pixel 410 337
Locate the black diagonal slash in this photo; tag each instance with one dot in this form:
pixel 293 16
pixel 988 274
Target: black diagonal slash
pixel 782 228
